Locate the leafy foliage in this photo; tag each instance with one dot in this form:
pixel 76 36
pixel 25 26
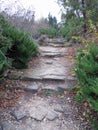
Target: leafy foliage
pixel 22 47
pixel 51 32
pixel 5 44
pixel 76 15
pixel 15 47
pixel 80 23
pixel 71 28
pixel 4 63
pixel 52 21
pixel 87 74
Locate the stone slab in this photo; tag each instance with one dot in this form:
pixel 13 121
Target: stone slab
pixel 58 108
pixel 38 113
pixel 8 126
pixel 56 51
pixel 51 115
pixel 45 68
pixel 19 114
pixel 33 88
pixel 1 128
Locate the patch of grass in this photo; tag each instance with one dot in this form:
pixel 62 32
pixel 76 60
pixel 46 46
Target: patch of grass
pixel 47 92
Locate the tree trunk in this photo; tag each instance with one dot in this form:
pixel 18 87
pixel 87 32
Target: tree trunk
pixel 84 16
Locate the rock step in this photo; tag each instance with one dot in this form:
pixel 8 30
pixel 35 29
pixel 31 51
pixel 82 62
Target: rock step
pixel 52 86
pixel 56 42
pixel 48 82
pixel 57 45
pixel 53 50
pixel 52 55
pixel 19 75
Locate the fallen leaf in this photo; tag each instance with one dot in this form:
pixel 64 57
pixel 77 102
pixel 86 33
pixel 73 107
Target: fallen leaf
pixel 65 92
pixel 85 104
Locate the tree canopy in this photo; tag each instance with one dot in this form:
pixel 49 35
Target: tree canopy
pixel 78 13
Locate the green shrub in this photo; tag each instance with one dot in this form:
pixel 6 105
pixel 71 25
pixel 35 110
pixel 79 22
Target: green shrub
pixel 5 44
pixel 22 47
pixel 51 32
pixel 15 45
pixel 87 75
pixel 71 28
pixel 4 63
pixel 43 31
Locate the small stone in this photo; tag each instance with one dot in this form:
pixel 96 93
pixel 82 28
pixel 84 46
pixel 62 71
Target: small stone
pixel 8 126
pixel 84 113
pixel 1 128
pixel 32 88
pixel 22 127
pixel 61 89
pixel 68 99
pixel 65 92
pixel 48 62
pixel 14 75
pixel 42 38
pixel 38 113
pixel 51 115
pixel 58 108
pixel 36 35
pixel 85 104
pixel 19 114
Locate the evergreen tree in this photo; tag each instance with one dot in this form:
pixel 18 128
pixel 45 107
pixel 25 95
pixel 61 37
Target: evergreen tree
pixel 52 21
pixel 79 12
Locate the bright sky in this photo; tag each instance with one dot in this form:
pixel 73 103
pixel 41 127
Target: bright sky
pixel 41 7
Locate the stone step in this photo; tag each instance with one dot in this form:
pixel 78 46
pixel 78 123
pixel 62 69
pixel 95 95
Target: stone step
pixel 56 41
pixel 56 45
pixel 33 85
pixel 28 75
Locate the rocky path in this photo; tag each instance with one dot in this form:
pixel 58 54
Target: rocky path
pixel 54 64
pixel 45 104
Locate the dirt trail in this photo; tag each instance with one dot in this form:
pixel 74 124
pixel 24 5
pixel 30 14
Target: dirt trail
pixel 46 103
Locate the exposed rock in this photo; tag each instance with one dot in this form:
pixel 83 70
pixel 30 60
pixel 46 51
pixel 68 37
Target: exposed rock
pixel 36 35
pixel 8 126
pixel 51 49
pixel 58 108
pixel 19 114
pixel 49 62
pixel 38 113
pixel 54 77
pixel 61 89
pixel 57 40
pixel 15 74
pixel 23 127
pixel 46 68
pixel 1 128
pixel 33 88
pixel 45 72
pixel 48 109
pixel 42 39
pixel 51 115
pixel 52 54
